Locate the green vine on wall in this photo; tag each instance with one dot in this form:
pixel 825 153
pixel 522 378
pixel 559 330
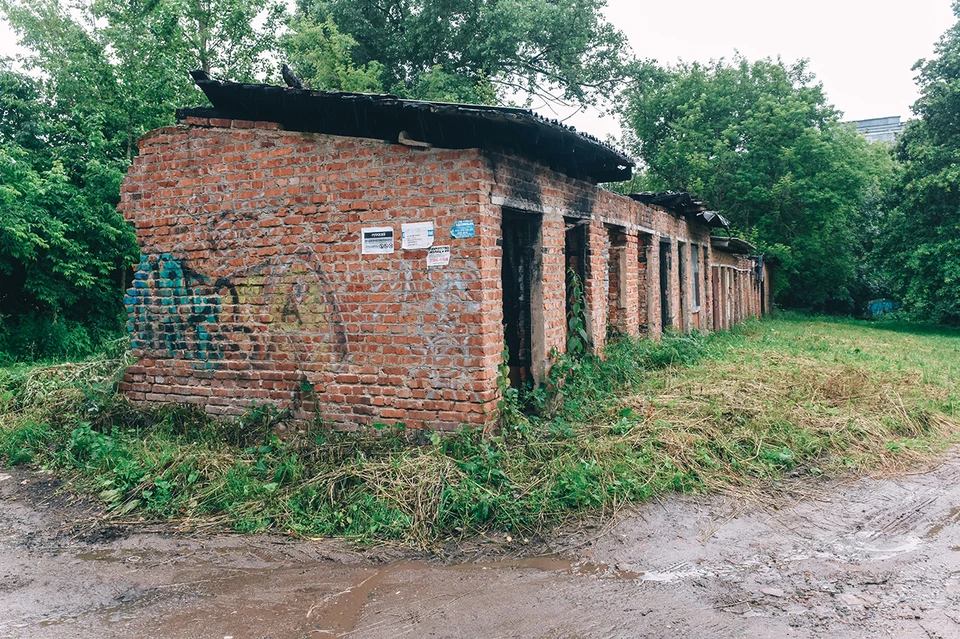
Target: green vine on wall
pixel 577 340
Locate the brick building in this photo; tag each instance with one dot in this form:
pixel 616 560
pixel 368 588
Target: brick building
pixel 363 258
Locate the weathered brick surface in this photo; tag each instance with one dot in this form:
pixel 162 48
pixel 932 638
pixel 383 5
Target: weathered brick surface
pixel 736 296
pixel 252 286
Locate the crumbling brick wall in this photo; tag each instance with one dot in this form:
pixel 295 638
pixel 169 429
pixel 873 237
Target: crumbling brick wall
pixel 252 286
pixel 736 294
pixel 527 186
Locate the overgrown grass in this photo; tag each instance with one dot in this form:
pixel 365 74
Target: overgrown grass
pixel 691 413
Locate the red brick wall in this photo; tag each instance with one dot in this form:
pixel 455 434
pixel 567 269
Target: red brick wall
pixel 524 185
pixel 738 288
pixel 252 286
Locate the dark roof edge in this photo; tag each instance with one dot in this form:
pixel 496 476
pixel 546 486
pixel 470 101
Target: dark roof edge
pixel 732 245
pixel 441 124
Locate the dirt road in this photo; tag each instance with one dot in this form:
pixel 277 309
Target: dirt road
pixel 849 559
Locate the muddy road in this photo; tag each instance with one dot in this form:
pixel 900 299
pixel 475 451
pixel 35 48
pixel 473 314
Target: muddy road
pixel 865 558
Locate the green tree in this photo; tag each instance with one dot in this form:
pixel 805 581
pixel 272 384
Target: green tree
pixel 478 50
pixel 231 39
pixel 321 55
pixel 920 247
pixel 104 73
pixel 64 249
pixel 759 142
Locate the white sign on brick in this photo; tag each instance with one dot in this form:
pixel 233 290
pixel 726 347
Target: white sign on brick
pixel 377 240
pixel 438 256
pixel 417 235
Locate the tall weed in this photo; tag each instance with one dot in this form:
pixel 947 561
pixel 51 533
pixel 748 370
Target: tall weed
pixel 689 413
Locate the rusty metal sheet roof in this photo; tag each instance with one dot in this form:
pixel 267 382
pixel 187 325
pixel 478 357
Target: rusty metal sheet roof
pixel 679 202
pixel 733 245
pixel 714 219
pixel 440 124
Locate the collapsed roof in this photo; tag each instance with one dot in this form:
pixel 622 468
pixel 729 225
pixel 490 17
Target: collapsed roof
pixel 733 245
pixel 440 124
pixel 683 203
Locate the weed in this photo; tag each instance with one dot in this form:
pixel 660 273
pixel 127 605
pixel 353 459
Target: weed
pixel 689 413
pixel 577 338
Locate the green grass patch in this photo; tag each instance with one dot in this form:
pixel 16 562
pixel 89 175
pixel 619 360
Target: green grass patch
pixel 690 413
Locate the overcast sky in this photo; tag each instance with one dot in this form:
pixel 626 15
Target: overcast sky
pixel 861 50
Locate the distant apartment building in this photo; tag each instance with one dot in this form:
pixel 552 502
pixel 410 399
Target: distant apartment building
pixel 880 129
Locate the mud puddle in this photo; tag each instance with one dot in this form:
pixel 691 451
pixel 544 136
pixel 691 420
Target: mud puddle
pixel 339 616
pixel 851 559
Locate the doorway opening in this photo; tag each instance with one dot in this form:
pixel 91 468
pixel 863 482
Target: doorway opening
pixel 644 244
pixel 575 255
pixel 666 313
pixel 520 276
pixel 616 280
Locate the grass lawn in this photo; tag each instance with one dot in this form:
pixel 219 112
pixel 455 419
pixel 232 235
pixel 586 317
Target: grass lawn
pixel 691 413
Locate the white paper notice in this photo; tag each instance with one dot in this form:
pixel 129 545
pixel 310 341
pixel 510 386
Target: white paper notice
pixel 377 241
pixel 438 256
pixel 418 235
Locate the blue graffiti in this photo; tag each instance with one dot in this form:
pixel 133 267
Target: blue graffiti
pixel 881 307
pixel 174 310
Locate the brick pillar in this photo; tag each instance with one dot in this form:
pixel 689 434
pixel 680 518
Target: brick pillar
pixel 595 284
pixel 655 327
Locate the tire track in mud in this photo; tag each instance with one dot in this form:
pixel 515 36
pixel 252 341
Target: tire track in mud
pixel 825 560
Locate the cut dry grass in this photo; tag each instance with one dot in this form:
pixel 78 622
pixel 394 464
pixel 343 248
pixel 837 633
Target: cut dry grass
pixel 796 395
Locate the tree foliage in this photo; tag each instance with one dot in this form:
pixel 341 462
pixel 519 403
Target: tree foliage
pixel 64 249
pixel 231 39
pixel 102 73
pixel 476 50
pixel 920 247
pixel 759 142
pixel 322 56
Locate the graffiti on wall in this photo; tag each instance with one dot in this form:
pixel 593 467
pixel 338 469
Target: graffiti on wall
pixel 292 298
pixel 173 309
pixel 285 309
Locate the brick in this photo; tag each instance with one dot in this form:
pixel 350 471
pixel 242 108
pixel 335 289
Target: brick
pixel 258 292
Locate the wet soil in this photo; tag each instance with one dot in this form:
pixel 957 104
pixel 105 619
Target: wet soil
pixel 825 559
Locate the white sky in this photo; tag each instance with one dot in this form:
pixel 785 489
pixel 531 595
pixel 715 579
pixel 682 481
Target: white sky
pixel 861 50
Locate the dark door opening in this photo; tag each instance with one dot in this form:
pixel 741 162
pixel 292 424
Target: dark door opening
pixel 575 262
pixel 521 238
pixel 684 285
pixel 666 316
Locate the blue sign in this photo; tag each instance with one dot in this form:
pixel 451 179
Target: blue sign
pixel 463 229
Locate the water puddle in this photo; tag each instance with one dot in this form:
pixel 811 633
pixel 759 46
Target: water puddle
pixel 952 518
pixel 337 614
pixel 110 556
pixel 670 576
pixel 554 563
